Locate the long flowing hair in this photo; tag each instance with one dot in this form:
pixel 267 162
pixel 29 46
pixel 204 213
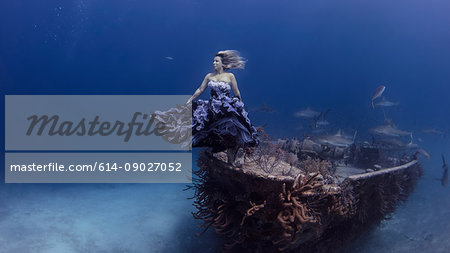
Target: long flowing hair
pixel 231 59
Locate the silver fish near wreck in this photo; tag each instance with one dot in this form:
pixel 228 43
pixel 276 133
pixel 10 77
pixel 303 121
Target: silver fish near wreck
pixel 337 140
pixel 306 113
pixel 378 92
pixel 423 152
pixel 264 108
pixel 389 130
pixel 433 131
pixel 395 143
pixel 386 103
pixel 320 121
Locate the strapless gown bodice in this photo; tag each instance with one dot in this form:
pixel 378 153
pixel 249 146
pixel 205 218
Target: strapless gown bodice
pixel 219 88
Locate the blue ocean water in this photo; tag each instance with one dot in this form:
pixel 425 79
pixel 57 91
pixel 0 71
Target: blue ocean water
pixel 323 54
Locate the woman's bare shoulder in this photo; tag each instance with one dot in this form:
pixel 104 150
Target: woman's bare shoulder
pixel 208 76
pixel 231 76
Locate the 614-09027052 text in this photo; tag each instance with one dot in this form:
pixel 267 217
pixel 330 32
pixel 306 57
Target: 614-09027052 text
pixel 98 166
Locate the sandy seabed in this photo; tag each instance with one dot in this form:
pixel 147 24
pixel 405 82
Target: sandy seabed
pixel 157 218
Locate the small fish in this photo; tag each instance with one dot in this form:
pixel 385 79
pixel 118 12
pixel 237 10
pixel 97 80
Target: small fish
pixel 391 142
pixel 424 153
pixel 336 140
pixel 320 120
pixel 433 131
pixel 411 145
pixel 378 92
pixel 306 113
pixel 396 144
pixel 318 131
pixel 170 58
pixel 389 130
pixel 444 179
pixel 386 103
pixel 263 108
pixel 377 166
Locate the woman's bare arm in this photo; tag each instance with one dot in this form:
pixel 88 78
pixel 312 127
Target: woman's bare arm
pixel 235 87
pixel 200 90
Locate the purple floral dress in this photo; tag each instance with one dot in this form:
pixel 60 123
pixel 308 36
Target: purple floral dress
pixel 221 122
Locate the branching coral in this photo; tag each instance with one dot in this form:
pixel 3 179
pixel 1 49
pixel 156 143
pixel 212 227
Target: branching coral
pixel 212 206
pixel 217 207
pixel 310 165
pixel 252 210
pixel 292 159
pixel 266 156
pixel 342 201
pixel 295 214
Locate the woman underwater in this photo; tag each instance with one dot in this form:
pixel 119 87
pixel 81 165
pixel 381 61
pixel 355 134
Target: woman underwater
pixel 221 122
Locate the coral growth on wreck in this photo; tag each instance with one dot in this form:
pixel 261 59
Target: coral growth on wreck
pixel 270 158
pixel 266 156
pixel 315 165
pixel 309 206
pixel 295 214
pixel 266 213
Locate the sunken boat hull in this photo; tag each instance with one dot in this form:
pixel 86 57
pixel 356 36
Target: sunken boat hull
pixel 256 211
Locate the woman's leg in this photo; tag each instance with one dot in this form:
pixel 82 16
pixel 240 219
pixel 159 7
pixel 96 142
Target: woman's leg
pixel 231 155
